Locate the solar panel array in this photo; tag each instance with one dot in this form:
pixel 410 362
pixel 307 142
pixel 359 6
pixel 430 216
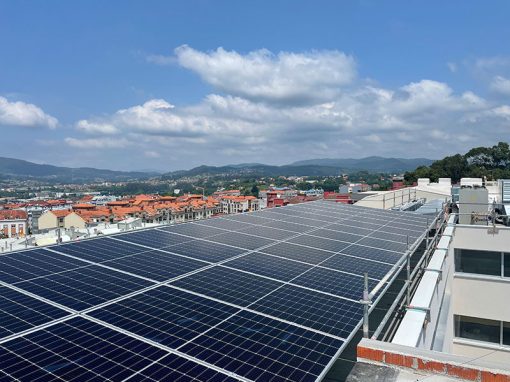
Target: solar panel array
pixel 270 295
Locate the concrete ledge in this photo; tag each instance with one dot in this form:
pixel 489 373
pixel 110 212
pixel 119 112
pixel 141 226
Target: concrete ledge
pixel 449 365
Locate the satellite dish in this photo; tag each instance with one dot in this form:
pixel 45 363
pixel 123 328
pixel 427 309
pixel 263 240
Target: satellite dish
pixel 176 191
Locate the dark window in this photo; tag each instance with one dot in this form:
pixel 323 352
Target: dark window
pixel 477 329
pixel 507 265
pixel 506 333
pixel 480 262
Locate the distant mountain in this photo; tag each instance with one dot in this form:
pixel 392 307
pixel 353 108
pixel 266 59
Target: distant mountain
pixel 21 169
pixel 373 163
pixel 254 170
pixel 313 167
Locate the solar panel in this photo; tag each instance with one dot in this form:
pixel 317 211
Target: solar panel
pixel 19 312
pixel 334 282
pixel 321 243
pixel 224 224
pixel 175 317
pixel 260 348
pixel 383 244
pixel 372 253
pixel 270 266
pixel 270 233
pixel 153 238
pixel 84 287
pixel 312 309
pixel 272 295
pixel 241 240
pixel 156 265
pixel 192 230
pixel 76 350
pixel 337 235
pixel 298 228
pixel 175 368
pixel 98 250
pixel 228 285
pixel 298 252
pixel 206 251
pixel 357 265
pixel 27 265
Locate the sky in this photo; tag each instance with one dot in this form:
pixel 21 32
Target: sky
pixel 168 85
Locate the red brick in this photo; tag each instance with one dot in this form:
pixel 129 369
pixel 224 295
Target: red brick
pixel 487 376
pixel 431 366
pixel 371 354
pixel 465 373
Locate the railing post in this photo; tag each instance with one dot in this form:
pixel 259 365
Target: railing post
pixel 408 270
pixel 366 305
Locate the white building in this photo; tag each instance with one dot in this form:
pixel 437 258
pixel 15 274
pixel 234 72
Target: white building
pixel 13 223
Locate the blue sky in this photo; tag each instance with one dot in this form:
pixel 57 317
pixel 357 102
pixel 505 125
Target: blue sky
pixel 168 85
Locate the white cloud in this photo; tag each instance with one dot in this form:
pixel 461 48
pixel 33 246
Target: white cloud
pixel 261 75
pixel 152 154
pixel 24 114
pixel 100 128
pixel 159 59
pixel 98 143
pixel 348 118
pixel 501 85
pixel 452 66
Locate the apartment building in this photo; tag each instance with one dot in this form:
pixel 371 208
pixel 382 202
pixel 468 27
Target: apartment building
pixel 13 223
pixel 239 204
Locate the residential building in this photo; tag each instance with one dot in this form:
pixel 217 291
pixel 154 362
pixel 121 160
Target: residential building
pixel 13 223
pixel 239 204
pixel 60 219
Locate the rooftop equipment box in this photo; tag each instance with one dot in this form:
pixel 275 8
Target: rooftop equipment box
pixel 473 205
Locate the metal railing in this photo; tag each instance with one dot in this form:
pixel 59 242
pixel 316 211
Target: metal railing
pixel 413 277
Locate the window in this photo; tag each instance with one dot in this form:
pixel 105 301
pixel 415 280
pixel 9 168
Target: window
pixel 506 270
pixel 506 333
pixel 478 329
pixel 479 262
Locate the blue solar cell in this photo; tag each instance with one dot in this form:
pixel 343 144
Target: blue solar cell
pixel 334 282
pixel 312 309
pixel 346 227
pixel 19 312
pixel 270 233
pixel 241 240
pixel 309 222
pixel 156 265
pixel 206 250
pixel 263 349
pixel 383 244
pixel 396 237
pixel 175 368
pixel 371 253
pixel 298 228
pixel 224 224
pixel 98 250
pixel 228 285
pixel 192 230
pixel 337 235
pixel 76 350
pixel 175 317
pixel 248 218
pixel 358 266
pixel 27 265
pixel 298 252
pixel 321 243
pixel 153 238
pixel 269 266
pixel 85 287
